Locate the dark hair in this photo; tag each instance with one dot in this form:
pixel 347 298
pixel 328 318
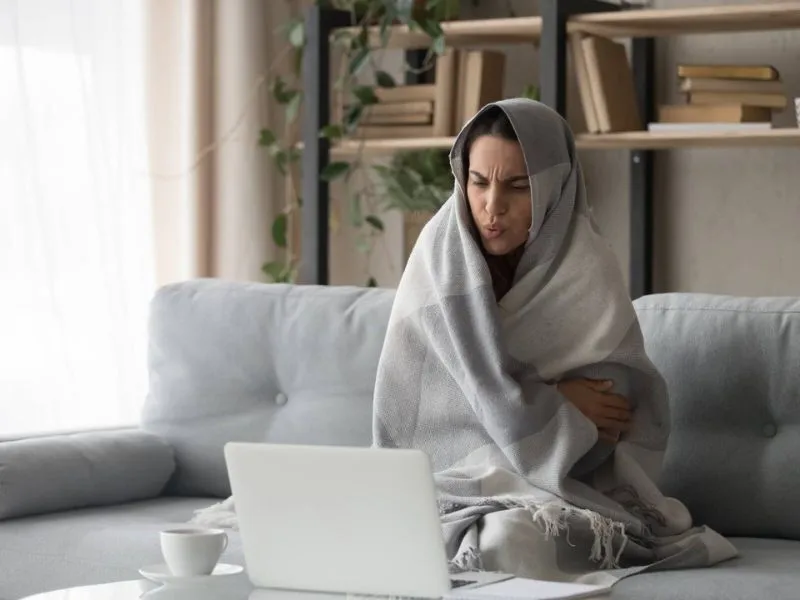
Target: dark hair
pixel 492 121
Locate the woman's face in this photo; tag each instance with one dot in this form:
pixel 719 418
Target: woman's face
pixel 499 194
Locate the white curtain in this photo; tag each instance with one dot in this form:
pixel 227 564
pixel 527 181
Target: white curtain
pixel 76 260
pixel 215 191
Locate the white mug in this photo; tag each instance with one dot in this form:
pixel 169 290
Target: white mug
pixel 192 551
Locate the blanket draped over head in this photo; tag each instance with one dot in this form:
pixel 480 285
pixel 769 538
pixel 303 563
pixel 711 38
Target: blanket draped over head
pixel 524 484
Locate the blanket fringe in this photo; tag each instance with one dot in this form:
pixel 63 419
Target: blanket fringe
pixel 554 518
pixel 468 559
pixel 221 515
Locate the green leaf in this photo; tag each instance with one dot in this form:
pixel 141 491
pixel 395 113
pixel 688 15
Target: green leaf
pixel 331 132
pixel 363 245
pixel 358 61
pixel 279 226
pixel 384 31
pixel 365 95
pixel 281 160
pixel 297 33
pixel 334 170
pixel 356 213
pixel 531 91
pixel 294 154
pixel 372 282
pixel 432 27
pixel 342 37
pixel 280 91
pixel 353 117
pixel 438 45
pixel 375 222
pixel 267 138
pixel 293 107
pixel 297 61
pixel 384 79
pixel 277 272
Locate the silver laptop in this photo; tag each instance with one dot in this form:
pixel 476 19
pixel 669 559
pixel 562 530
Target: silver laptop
pixel 341 520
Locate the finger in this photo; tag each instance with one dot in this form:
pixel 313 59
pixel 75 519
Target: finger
pixel 599 385
pixel 618 414
pixel 615 401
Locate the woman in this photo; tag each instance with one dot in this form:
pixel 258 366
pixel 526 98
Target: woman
pixel 499 197
pixel 510 323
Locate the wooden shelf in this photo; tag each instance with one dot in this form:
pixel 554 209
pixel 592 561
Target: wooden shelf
pixel 645 140
pixel 477 32
pixel 710 19
pixel 388 146
pixel 639 140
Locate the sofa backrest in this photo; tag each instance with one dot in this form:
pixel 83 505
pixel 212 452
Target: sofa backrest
pixel 732 366
pixel 296 364
pixel 260 363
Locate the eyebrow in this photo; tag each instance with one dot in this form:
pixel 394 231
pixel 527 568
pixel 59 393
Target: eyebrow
pixel 512 179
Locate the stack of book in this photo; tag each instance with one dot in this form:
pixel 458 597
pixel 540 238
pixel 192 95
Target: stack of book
pixel 724 97
pixel 464 81
pixel 402 112
pixel 605 84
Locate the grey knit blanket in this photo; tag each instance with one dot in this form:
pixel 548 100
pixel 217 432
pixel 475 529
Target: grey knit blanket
pixel 525 485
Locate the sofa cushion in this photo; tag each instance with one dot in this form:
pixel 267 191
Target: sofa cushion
pixel 260 363
pixel 733 370
pixel 61 472
pixel 764 569
pixel 95 545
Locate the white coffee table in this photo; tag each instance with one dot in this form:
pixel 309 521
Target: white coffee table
pixel 234 588
pixel 146 590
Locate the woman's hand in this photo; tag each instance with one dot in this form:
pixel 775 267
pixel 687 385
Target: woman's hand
pixel 610 412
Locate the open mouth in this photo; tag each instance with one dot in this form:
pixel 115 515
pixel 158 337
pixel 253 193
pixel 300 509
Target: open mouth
pixel 492 232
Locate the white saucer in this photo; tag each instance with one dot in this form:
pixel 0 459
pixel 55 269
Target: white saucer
pixel 161 574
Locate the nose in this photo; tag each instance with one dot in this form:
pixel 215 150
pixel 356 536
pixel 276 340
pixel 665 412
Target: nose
pixel 495 203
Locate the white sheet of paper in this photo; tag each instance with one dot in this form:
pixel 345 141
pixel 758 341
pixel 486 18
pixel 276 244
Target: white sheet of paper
pixel 529 589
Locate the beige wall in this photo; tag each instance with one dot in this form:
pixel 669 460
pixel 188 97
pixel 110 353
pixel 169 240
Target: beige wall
pixel 727 220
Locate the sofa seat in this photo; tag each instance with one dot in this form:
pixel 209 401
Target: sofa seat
pixel 90 546
pixel 766 568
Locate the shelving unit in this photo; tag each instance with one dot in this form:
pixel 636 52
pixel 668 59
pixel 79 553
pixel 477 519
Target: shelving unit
pixel 558 19
pixel 457 34
pixel 644 140
pixel 632 140
pixel 682 21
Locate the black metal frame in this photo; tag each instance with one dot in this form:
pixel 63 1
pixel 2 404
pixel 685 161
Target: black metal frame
pixel 642 164
pixel 321 22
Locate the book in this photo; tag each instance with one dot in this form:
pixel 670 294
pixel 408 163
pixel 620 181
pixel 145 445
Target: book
pixel 584 85
pixel 379 132
pixel 407 93
pixel 484 78
pixel 410 107
pixel 371 118
pixel 745 86
pixel 778 101
pixel 445 80
pixel 713 113
pixel 708 127
pixel 612 85
pixel 756 72
pixel 461 116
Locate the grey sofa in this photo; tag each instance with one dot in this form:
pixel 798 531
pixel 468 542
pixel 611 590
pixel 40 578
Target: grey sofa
pixel 293 364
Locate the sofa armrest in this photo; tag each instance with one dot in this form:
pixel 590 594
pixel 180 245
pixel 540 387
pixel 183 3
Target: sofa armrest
pixel 48 474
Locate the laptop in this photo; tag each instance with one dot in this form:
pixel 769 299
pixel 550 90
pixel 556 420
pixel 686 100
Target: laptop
pixel 342 520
